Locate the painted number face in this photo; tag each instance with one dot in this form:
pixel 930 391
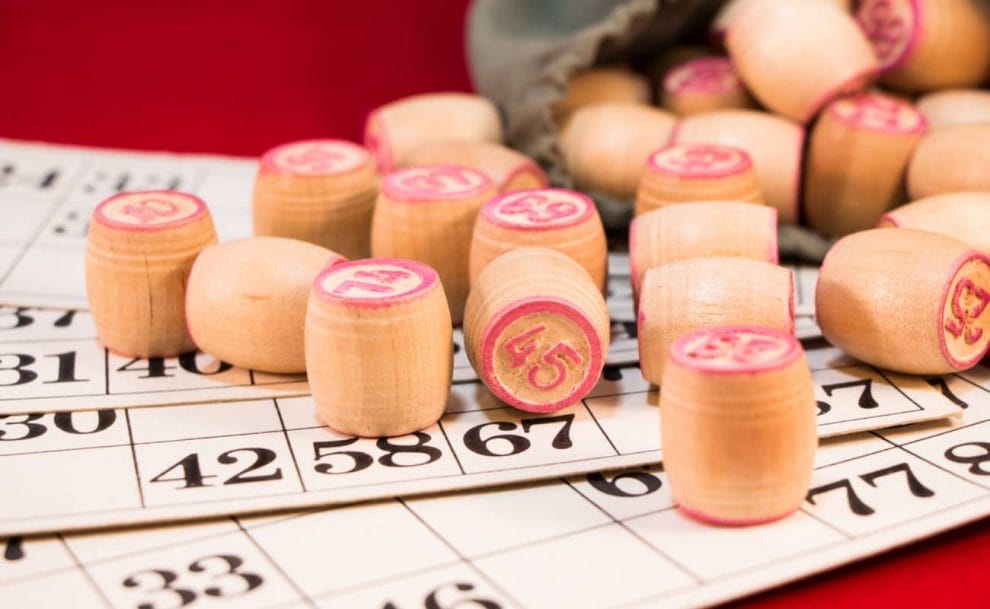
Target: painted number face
pixel 880 113
pixel 373 280
pixel 968 303
pixel 436 181
pixel 701 160
pixel 548 370
pixel 318 157
pixel 735 349
pixel 150 209
pixel 541 356
pixel 889 24
pixel 707 75
pixel 539 209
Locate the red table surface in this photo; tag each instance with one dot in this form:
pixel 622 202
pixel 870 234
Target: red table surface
pixel 240 77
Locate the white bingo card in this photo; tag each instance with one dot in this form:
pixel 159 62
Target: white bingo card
pixel 601 540
pixel 130 465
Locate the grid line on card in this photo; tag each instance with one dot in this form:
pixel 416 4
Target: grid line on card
pixel 584 404
pixel 621 523
pixel 106 371
pixel 467 561
pixel 453 452
pixel 973 383
pixel 137 469
pixel 826 523
pixel 895 386
pixel 292 452
pixel 944 469
pixel 57 205
pixel 275 564
pixel 85 573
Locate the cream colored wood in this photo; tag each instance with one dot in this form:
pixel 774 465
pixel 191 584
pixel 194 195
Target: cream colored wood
pixel 509 169
pixel 775 145
pixel 379 347
pixel 246 301
pixel 536 329
pixel 394 130
pixel 427 213
pixel 320 191
pixel 738 425
pixel 724 229
pixel 856 162
pixel 559 219
pixel 688 295
pixel 905 300
pixel 139 251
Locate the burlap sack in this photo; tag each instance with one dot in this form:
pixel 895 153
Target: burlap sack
pixel 522 52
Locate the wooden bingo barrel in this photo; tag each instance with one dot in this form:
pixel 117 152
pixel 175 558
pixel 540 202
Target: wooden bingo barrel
pixel 393 131
pixel 427 213
pixel 536 329
pixel 704 84
pixel 509 169
pixel 685 173
pixel 796 56
pixel 668 59
pixel 859 152
pixel 559 219
pixel 923 45
pixel 320 191
pixel 964 216
pixel 952 159
pixel 906 300
pixel 724 229
pixel 723 19
pixel 379 347
pixel 773 143
pixel 246 300
pixel 605 146
pixel 139 251
pixel 951 107
pixel 689 295
pixel 737 424
pixel 600 86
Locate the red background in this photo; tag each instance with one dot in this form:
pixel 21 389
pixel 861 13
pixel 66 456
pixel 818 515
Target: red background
pixel 240 77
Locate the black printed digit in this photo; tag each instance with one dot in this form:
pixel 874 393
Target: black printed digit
pixel 645 484
pixel 938 382
pixel 190 473
pixel 484 446
pixel 66 421
pixel 66 368
pixel 156 368
pixel 322 449
pixel 232 564
pixel 65 320
pixel 189 469
pixel 975 462
pixel 13 549
pixel 865 396
pixel 189 363
pixel 165 579
pixel 262 457
pixel 24 422
pixel 856 505
pixel 436 598
pixel 19 316
pixel 16 368
pixel 914 485
pixel 421 447
pixel 562 439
